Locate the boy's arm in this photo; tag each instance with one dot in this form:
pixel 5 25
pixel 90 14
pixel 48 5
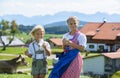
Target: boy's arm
pixel 27 54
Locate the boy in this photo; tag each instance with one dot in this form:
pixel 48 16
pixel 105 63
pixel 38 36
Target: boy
pixel 38 50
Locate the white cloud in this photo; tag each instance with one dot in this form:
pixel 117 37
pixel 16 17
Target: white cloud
pixel 43 7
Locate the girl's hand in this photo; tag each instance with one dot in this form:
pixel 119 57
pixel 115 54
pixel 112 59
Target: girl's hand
pixel 66 42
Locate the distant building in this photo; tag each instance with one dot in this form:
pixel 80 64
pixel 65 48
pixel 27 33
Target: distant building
pixel 15 42
pixel 105 63
pixel 102 36
pixel 55 42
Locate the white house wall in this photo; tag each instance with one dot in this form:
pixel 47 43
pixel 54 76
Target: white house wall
pixel 94 65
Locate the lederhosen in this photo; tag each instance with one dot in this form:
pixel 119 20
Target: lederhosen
pixel 39 66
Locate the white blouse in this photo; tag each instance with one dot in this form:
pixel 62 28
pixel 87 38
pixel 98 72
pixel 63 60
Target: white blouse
pixel 37 47
pixel 81 38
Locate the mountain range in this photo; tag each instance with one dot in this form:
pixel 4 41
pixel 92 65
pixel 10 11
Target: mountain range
pixel 61 16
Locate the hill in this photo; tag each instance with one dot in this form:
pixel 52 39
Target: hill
pixel 60 27
pixel 51 28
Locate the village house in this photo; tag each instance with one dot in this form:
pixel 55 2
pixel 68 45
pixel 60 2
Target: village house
pixel 103 63
pixel 104 37
pixel 55 42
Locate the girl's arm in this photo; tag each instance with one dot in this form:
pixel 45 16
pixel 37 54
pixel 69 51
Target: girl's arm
pixel 70 43
pixel 82 42
pixel 80 47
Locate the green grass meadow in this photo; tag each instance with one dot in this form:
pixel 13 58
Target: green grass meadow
pixel 25 36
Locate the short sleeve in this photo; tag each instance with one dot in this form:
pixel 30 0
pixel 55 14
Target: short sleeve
pixel 30 49
pixel 82 40
pixel 65 36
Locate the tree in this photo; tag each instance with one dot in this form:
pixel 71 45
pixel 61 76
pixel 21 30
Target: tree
pixel 6 29
pixel 5 24
pixel 14 27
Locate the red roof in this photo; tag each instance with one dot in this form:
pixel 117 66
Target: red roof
pixel 112 55
pixel 56 41
pixel 103 31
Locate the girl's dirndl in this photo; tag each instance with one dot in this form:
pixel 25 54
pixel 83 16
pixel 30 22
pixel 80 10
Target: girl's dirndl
pixel 69 64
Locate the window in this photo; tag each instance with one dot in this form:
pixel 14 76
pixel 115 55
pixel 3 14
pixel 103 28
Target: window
pixel 117 47
pixel 101 47
pixel 118 37
pixel 91 46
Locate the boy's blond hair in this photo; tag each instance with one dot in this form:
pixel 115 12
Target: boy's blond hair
pixel 37 27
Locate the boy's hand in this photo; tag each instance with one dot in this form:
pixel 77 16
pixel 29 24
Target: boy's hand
pixel 44 45
pixel 26 53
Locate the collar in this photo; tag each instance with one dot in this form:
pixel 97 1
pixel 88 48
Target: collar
pixel 40 42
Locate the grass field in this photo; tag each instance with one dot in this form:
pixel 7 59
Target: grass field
pixel 116 75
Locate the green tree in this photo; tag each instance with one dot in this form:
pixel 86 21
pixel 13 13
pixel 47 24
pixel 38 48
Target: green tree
pixel 14 27
pixel 8 30
pixel 5 24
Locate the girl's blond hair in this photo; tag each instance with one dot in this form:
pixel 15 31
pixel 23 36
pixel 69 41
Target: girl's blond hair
pixel 37 27
pixel 73 18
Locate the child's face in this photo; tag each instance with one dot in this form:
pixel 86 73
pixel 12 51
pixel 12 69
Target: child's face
pixel 73 25
pixel 38 34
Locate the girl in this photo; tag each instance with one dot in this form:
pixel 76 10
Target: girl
pixel 38 50
pixel 70 62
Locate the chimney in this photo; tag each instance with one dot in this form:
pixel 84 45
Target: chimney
pixel 104 20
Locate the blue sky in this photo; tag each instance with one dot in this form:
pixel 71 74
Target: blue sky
pixel 43 7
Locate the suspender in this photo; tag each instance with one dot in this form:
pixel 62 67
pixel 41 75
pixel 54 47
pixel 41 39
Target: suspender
pixel 35 52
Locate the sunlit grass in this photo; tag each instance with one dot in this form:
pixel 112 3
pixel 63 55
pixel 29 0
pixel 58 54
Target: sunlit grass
pixel 25 36
pixel 14 50
pixel 15 76
pixel 116 75
pixel 56 50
